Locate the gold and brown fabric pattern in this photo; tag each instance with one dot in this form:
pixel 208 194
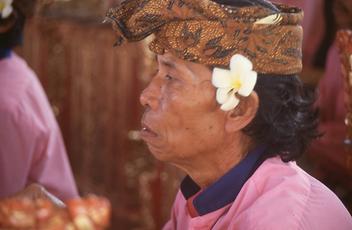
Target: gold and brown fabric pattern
pixel 205 32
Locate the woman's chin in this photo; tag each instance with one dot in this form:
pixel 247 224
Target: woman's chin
pixel 158 153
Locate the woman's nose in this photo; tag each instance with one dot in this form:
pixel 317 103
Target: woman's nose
pixel 149 98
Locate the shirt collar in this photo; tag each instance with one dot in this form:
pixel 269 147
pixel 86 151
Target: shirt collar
pixel 225 190
pixel 5 53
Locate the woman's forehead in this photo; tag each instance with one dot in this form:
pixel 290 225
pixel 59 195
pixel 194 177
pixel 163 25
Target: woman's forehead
pixel 170 59
pixel 173 62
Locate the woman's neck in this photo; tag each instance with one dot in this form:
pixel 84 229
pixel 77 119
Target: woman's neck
pixel 211 166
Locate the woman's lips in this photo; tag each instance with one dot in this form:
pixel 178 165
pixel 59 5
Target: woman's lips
pixel 147 132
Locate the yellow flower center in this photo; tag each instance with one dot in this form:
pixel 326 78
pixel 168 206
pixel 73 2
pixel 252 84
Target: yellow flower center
pixel 236 84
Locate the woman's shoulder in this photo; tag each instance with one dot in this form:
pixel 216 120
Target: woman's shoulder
pixel 274 173
pixel 286 178
pixel 295 198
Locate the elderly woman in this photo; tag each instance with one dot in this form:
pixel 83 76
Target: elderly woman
pixel 227 107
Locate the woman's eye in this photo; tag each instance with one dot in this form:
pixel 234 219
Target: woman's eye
pixel 155 72
pixel 168 77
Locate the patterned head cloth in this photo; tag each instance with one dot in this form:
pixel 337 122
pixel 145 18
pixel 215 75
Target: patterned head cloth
pixel 209 33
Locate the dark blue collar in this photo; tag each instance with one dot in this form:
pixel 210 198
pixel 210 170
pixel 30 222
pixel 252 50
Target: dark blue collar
pixel 225 190
pixel 5 53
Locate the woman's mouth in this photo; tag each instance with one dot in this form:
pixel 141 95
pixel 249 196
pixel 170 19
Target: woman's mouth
pixel 147 132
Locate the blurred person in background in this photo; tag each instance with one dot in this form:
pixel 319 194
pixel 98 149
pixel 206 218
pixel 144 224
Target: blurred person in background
pixel 31 145
pixel 331 94
pixel 227 107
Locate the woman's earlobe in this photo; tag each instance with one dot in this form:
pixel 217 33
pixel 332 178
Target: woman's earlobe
pixel 243 114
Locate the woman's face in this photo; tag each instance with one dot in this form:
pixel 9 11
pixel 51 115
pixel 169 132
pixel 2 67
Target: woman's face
pixel 182 119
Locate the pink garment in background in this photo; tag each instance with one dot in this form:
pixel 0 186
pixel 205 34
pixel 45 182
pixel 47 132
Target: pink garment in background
pixel 331 90
pixel 277 196
pixel 31 145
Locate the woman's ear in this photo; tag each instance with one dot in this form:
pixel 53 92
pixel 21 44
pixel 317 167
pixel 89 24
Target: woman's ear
pixel 243 114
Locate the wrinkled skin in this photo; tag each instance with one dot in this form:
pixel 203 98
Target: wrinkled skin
pixel 184 125
pixel 182 111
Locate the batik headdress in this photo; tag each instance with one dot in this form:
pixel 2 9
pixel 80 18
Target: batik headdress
pixel 206 32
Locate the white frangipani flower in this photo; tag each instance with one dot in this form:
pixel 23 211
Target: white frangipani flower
pixel 5 8
pixel 239 79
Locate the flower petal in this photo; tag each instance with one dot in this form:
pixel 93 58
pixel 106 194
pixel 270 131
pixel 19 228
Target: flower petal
pixel 222 95
pixel 230 104
pixel 241 63
pixel 221 78
pixel 6 11
pixel 248 84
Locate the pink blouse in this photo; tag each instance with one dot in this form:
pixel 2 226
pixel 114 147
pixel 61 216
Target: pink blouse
pixel 31 145
pixel 277 196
